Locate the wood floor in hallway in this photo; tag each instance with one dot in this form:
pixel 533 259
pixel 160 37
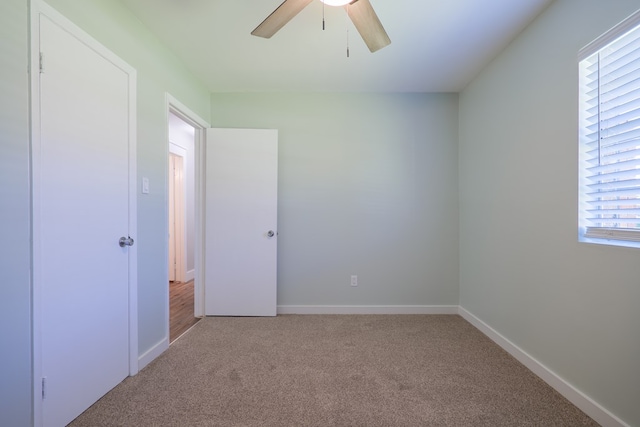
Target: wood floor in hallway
pixel 180 308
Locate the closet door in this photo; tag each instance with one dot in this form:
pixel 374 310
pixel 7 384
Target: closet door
pixel 82 222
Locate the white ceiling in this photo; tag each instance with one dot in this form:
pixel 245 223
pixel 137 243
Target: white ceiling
pixel 437 45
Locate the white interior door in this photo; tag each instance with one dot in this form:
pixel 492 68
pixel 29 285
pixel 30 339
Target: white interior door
pixel 241 222
pixel 82 208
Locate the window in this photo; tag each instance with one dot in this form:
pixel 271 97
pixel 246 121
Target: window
pixel 610 136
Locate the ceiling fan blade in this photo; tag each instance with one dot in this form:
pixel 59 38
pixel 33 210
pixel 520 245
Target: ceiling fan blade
pixel 283 14
pixel 368 25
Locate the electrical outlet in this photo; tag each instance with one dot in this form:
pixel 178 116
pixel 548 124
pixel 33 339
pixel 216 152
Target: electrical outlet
pixel 354 280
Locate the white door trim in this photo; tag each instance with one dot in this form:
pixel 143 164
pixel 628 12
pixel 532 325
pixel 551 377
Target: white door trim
pixel 37 8
pixel 200 125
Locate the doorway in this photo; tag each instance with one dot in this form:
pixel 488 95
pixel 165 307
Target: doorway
pixel 181 214
pixel 185 294
pixel 206 295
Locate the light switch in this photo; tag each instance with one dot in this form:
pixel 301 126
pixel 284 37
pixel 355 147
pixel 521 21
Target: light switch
pixel 145 185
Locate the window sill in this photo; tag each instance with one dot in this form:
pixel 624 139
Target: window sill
pixel 620 238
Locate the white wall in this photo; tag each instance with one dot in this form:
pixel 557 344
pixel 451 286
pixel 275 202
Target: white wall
pixel 183 135
pixel 15 299
pixel 367 186
pixel 571 306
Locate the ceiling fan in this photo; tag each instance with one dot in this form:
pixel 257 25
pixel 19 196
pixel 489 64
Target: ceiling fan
pixel 361 12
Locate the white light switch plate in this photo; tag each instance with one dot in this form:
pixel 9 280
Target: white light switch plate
pixel 145 185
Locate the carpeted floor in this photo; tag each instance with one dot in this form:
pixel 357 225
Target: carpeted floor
pixel 360 370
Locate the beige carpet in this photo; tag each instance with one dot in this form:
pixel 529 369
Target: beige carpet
pixel 334 371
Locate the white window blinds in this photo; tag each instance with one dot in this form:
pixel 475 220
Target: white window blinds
pixel 610 138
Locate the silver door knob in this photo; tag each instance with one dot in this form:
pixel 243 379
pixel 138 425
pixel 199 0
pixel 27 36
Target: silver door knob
pixel 125 241
pixel 270 233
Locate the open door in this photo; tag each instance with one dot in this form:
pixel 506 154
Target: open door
pixel 241 222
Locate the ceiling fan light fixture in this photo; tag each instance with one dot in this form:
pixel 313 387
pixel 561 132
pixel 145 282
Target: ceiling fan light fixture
pixel 360 13
pixel 336 2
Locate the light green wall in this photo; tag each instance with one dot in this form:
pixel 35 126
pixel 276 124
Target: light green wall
pixel 159 71
pixel 15 297
pixel 367 186
pixel 571 306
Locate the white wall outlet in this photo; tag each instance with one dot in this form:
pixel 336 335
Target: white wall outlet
pixel 354 280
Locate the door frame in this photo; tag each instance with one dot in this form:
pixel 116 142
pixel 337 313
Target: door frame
pixel 173 106
pixel 37 8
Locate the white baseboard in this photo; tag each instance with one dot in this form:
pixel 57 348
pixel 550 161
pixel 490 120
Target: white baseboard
pixel 367 309
pixel 152 353
pixel 191 274
pixel 575 396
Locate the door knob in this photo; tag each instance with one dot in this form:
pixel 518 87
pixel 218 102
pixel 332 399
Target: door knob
pixel 270 233
pixel 125 241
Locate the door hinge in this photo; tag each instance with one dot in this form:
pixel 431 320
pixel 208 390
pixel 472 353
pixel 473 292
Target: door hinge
pixel 44 388
pixel 41 62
